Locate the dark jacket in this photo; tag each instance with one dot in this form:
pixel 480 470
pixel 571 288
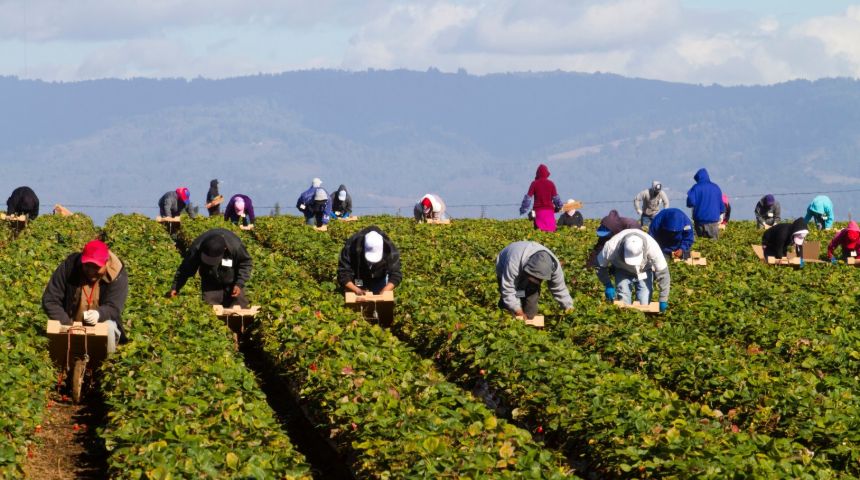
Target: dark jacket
pixel 615 223
pixel 230 211
pixel 778 239
pixel 762 212
pixel 305 201
pixel 565 220
pixel 23 201
pixel 344 207
pixel 212 194
pixel 673 230
pixel 705 198
pixel 544 192
pixel 63 294
pixel 219 276
pixel 170 205
pixel 352 263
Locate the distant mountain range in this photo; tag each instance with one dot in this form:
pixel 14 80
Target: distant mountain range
pixel 392 136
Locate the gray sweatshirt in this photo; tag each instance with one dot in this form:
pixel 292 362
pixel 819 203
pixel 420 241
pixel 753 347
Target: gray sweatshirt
pixel 645 203
pixel 509 268
pixel 653 259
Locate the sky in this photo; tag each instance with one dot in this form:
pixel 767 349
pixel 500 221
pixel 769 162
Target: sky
pixel 728 42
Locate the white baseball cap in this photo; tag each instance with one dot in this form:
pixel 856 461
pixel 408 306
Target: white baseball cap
pixel 633 250
pixel 316 183
pixel 373 246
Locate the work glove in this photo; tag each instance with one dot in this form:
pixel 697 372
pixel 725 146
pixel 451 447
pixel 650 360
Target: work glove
pixel 802 263
pixel 91 317
pixel 610 293
pixel 834 261
pixel 664 306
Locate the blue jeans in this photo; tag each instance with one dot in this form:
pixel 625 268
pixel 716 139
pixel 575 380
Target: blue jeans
pixel 626 281
pixel 645 220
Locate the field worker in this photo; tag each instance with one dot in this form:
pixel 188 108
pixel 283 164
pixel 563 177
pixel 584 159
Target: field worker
pixel 847 238
pixel 520 269
pixel 546 200
pixel 673 230
pixel 212 194
pixel 610 225
pixel 767 212
pixel 172 204
pixel 820 211
pixel 727 211
pixel 778 239
pixel 89 287
pixel 306 200
pixel 240 211
pixel 369 262
pixel 649 201
pixel 431 206
pixel 224 265
pixel 706 200
pixel 341 203
pixel 23 201
pixel 570 216
pixel 321 207
pixel 637 260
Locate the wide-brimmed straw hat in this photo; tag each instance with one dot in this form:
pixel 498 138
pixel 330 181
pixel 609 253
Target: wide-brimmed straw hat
pixel 571 205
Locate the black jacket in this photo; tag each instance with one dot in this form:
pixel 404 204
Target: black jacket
pixel 566 220
pixel 341 206
pixel 63 294
pixel 352 264
pixel 778 238
pixel 219 276
pixel 23 201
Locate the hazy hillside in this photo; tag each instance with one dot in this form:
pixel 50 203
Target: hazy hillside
pixel 393 135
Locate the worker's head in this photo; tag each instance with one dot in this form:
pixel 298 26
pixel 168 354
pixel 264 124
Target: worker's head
pixel 341 195
pixel 571 206
pixel 769 200
pixel 540 266
pixel 427 204
pixel 316 183
pixel 239 205
pixel 373 247
pixel 634 250
pixel 656 186
pixel 212 250
pixel 799 236
pixel 320 195
pixel 94 260
pixel 852 232
pixel 183 194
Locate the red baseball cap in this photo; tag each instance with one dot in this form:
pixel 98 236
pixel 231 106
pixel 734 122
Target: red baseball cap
pixel 95 252
pixel 183 193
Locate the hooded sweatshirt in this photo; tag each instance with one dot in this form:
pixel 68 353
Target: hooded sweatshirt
pixel 848 239
pixel 673 230
pixel 23 201
pixel 767 215
pixel 779 238
pixel 213 190
pixel 612 255
pixel 822 207
pixel 231 215
pixel 511 265
pixel 342 206
pixel 544 193
pixel 705 198
pixel 727 209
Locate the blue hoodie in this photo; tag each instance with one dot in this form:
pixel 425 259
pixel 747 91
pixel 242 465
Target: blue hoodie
pixel 705 198
pixel 821 206
pixel 673 230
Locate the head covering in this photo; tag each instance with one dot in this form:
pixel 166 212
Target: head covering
pixel 702 176
pixel 239 205
pixel 341 195
pixel 95 252
pixel 799 236
pixel 320 195
pixel 769 200
pixel 316 183
pixel 602 231
pixel 634 250
pixel 725 199
pixel 540 265
pixel 212 250
pixel 853 233
pixel 183 194
pixel 656 186
pixel 213 188
pixel 571 204
pixel 542 172
pixel 373 246
pixel 426 203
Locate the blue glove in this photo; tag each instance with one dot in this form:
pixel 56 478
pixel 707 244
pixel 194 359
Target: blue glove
pixel 664 306
pixel 834 261
pixel 610 293
pixel 802 263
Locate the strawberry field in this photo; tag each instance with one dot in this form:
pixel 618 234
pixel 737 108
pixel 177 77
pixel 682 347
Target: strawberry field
pixel 752 372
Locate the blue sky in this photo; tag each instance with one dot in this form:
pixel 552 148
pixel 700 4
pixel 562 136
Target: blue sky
pixel 697 41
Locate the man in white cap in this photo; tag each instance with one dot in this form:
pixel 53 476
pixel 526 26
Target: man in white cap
pixel 520 269
pixel 637 259
pixel 369 262
pixel 306 200
pixel 341 203
pixel 647 203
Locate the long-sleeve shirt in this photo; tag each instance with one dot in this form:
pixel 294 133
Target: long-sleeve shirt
pixel 352 264
pixel 821 207
pixel 221 275
pixel 612 255
pixel 648 204
pixel 509 272
pixel 765 215
pixel 673 230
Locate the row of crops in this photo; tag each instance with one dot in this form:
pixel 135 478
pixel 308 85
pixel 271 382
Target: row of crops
pixel 751 373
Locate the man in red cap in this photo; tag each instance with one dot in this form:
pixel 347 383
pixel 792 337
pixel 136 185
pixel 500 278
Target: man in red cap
pixel 171 204
pixel 89 287
pixel 224 265
pixel 430 206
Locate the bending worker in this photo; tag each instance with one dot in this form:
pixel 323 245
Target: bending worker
pixel 430 207
pixel 23 201
pixel 224 265
pixel 520 269
pixel 647 203
pixel 820 211
pixel 767 212
pixel 89 287
pixel 172 204
pixel 341 203
pixel 847 238
pixel 369 262
pixel 778 239
pixel 240 211
pixel 637 260
pixel 610 225
pixel 673 230
pixel 570 214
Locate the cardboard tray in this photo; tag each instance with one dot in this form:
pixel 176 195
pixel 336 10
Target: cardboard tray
pixel 13 218
pixel 443 221
pixel 811 252
pixel 215 201
pixel 653 307
pixel 352 298
pixel 161 219
pixel 61 210
pixel 536 322
pixel 348 219
pixel 695 259
pixel 236 311
pixel 58 342
pixel 249 227
pixel 324 228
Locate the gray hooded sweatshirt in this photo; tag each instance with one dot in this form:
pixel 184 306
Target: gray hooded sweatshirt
pixel 510 266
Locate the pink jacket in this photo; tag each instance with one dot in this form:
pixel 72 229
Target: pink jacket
pixel 848 239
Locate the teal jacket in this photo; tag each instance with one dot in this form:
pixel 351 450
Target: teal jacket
pixel 821 206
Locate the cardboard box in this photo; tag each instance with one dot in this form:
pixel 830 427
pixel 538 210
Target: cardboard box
pixel 161 219
pixel 13 218
pixel 695 259
pixel 324 228
pixel 351 298
pixel 95 343
pixel 811 252
pixel 443 221
pixel 536 322
pixel 236 318
pixel 653 307
pixel 215 201
pixel 61 210
pixel 374 308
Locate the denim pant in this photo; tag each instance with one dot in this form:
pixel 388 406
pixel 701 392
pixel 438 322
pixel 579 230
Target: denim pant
pixel 645 220
pixel 626 281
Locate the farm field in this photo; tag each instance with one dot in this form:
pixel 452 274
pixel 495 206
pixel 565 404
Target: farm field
pixel 752 372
